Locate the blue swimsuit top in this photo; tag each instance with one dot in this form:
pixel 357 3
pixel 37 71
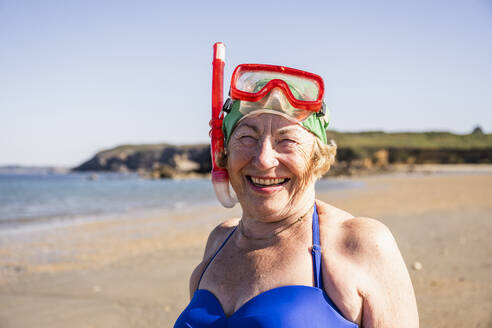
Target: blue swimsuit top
pixel 287 306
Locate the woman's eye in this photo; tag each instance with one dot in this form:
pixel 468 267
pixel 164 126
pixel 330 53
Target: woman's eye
pixel 287 141
pixel 247 140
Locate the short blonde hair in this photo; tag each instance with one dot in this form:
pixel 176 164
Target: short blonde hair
pixel 322 158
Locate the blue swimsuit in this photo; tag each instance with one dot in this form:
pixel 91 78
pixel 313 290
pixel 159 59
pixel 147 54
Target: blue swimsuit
pixel 287 306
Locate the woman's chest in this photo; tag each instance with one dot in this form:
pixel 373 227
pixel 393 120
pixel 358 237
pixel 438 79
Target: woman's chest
pixel 237 276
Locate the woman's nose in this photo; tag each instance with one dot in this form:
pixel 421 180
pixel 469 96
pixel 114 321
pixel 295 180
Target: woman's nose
pixel 267 156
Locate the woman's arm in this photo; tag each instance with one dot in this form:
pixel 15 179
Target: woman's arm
pixel 385 287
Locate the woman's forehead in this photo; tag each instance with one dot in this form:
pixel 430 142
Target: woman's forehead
pixel 276 123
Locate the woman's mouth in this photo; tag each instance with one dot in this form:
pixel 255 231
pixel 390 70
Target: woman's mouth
pixel 265 182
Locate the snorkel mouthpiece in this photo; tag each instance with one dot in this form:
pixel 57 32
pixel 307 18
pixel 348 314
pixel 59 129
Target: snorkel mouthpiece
pixel 220 177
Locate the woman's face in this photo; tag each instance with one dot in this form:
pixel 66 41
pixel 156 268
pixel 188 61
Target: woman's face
pixel 268 164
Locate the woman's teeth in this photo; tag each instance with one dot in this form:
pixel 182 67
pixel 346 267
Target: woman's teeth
pixel 267 182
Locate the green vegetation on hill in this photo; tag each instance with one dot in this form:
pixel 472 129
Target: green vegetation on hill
pixel 424 140
pixel 368 139
pixel 129 148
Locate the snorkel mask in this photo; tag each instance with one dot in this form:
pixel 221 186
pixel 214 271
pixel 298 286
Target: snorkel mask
pixel 255 89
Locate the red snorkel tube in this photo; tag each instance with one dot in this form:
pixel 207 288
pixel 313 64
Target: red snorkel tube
pixel 220 177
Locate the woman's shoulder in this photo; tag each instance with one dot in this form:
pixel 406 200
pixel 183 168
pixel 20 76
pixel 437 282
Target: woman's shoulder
pixel 357 237
pixel 366 248
pixel 216 237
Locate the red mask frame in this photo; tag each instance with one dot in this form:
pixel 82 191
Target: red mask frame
pixel 314 106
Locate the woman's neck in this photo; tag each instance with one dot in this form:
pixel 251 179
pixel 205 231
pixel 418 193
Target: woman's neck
pixel 277 225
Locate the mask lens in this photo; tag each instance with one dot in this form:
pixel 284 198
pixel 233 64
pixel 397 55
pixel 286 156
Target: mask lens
pixel 274 101
pixel 302 88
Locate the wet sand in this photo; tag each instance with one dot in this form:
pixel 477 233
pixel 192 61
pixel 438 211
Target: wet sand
pixel 133 272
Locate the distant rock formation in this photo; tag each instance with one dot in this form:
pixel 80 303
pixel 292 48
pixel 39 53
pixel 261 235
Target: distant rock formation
pixel 354 161
pixel 156 161
pixel 19 169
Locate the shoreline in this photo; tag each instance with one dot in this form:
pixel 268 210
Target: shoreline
pixel 11 225
pixel 33 223
pixel 133 272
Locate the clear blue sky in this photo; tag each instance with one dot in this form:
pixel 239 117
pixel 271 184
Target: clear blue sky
pixel 80 76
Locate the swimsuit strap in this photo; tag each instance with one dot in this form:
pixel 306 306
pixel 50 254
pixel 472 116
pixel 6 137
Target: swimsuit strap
pixel 217 252
pixel 316 250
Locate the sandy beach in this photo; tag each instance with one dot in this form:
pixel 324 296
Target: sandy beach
pixel 133 272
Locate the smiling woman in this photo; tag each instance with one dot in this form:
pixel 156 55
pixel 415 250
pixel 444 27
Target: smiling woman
pixel 291 260
pixel 268 164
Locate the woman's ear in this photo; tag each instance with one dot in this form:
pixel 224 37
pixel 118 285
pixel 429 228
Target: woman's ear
pixel 221 159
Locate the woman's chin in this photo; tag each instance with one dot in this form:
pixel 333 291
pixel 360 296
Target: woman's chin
pixel 265 207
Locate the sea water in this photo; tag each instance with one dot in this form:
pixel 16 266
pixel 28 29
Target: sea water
pixel 37 198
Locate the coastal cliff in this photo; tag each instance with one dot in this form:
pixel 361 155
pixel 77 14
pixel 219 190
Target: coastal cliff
pixel 156 161
pixel 357 152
